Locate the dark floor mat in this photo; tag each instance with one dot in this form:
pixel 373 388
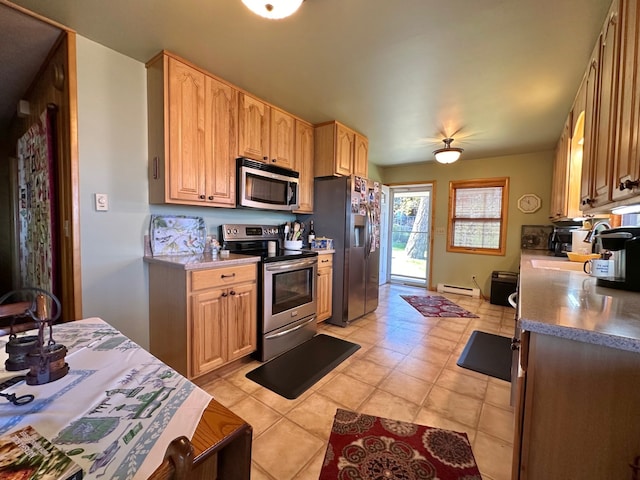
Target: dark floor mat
pixel 293 372
pixel 489 354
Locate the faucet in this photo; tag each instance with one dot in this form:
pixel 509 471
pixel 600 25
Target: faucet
pixel 589 238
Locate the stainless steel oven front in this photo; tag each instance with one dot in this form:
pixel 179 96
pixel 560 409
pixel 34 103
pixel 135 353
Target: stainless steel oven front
pixel 289 304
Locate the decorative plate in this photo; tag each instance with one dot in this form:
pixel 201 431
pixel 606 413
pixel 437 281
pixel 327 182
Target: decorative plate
pixel 177 235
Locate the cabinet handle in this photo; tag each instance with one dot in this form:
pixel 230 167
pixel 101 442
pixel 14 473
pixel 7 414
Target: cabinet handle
pixel 201 197
pixel 224 294
pixel 210 197
pixel 635 467
pixel 587 201
pixel 318 274
pixel 232 292
pixel 324 261
pixel 155 168
pixel 515 344
pixel 629 184
pixel 228 276
pixel 265 158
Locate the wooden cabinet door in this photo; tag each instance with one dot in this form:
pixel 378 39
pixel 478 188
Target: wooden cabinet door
pixel 606 112
pixel 282 139
pixel 186 162
pixel 242 328
pixel 626 167
pixel 361 156
pixel 221 143
pixel 304 165
pixel 253 124
pixel 559 186
pixel 324 288
pixel 345 140
pixel 209 347
pixel 588 153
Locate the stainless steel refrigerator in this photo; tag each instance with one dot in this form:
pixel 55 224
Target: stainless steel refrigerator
pixel 347 209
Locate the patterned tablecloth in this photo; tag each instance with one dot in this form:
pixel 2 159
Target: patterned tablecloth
pixel 116 410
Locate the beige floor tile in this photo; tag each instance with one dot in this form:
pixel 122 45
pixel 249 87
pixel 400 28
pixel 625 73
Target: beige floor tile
pixel 279 404
pixel 225 392
pixel 439 343
pixel 493 456
pixel 311 471
pixel 284 449
pixel 496 422
pixel 432 354
pixel 499 394
pixel 405 386
pixel 383 356
pixel 386 405
pixel 257 414
pixel 461 383
pixel 237 378
pixel 367 372
pixel 432 419
pixel 445 333
pixel 415 367
pixel 258 474
pixel 315 415
pixel 347 391
pixel 454 406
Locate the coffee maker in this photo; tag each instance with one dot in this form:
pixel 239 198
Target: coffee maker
pixel 624 243
pixel 560 238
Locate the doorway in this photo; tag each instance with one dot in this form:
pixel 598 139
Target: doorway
pixel 410 234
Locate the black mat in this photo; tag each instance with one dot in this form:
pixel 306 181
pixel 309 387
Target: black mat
pixel 293 372
pixel 489 354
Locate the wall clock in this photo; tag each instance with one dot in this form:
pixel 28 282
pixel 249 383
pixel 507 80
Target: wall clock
pixel 529 203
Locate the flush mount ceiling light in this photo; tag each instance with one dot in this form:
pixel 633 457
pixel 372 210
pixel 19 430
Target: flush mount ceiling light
pixel 448 154
pixel 273 9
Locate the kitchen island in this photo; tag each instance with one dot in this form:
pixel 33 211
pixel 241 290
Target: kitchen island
pixel 578 374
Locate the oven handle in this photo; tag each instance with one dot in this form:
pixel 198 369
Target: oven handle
pixel 293 329
pixel 291 265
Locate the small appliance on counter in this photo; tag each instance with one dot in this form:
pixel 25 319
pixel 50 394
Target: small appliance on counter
pixel 561 237
pixel 624 242
pixel 535 237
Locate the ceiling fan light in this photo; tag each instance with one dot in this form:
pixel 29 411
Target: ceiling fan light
pixel 273 9
pixel 448 154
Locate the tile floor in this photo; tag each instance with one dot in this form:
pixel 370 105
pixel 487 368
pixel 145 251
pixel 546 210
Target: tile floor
pixel 405 369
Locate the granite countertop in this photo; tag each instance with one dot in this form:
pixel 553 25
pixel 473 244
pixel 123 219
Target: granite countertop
pixel 202 261
pixel 568 304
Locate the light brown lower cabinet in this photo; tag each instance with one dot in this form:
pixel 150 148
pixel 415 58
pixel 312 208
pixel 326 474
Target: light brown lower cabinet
pixel 200 320
pixel 577 414
pixel 325 286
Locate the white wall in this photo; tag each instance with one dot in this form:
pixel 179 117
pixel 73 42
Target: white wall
pixel 112 133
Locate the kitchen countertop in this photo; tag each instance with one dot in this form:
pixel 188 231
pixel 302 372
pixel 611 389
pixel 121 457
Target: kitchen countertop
pixel 202 261
pixel 568 304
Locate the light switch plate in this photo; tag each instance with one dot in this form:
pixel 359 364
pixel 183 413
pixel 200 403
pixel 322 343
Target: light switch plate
pixel 102 202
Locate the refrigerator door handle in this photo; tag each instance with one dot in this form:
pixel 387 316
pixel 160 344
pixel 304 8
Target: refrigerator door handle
pixel 369 229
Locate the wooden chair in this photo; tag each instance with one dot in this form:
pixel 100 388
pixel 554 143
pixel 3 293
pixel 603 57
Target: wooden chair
pixel 177 463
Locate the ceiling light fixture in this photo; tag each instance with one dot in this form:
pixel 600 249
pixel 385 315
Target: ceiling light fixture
pixel 448 154
pixel 273 9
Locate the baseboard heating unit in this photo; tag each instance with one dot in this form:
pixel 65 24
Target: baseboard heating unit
pixel 469 292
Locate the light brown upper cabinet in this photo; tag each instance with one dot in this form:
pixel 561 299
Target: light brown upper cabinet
pixel 304 165
pixel 339 150
pixel 194 163
pixel 561 173
pixel 254 118
pixel 282 145
pixel 626 168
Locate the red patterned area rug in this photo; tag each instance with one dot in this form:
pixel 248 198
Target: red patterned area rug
pixel 437 306
pixel 363 447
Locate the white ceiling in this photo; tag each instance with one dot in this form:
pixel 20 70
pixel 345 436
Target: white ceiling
pixel 498 75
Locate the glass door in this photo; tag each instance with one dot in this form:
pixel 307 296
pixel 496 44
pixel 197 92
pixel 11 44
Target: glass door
pixel 410 234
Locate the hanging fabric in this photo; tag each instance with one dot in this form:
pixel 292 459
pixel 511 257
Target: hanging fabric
pixel 36 209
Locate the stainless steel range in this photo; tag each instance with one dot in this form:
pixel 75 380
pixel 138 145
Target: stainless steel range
pixel 287 287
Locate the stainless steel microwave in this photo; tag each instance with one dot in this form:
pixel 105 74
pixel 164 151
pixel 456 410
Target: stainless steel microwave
pixel 265 186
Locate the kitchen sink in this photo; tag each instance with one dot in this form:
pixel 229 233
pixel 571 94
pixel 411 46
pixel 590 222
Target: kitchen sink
pixel 558 265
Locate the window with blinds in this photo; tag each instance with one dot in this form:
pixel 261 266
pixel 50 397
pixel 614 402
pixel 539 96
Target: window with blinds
pixel 477 216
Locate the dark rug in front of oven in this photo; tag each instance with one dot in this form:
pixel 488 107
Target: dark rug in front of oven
pixel 293 372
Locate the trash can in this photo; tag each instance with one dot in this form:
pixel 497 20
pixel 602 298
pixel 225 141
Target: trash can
pixel 503 284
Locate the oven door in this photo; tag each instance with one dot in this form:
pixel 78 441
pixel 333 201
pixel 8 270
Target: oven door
pixel 289 292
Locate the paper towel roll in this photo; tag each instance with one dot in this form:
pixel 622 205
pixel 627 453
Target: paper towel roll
pixel 578 244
